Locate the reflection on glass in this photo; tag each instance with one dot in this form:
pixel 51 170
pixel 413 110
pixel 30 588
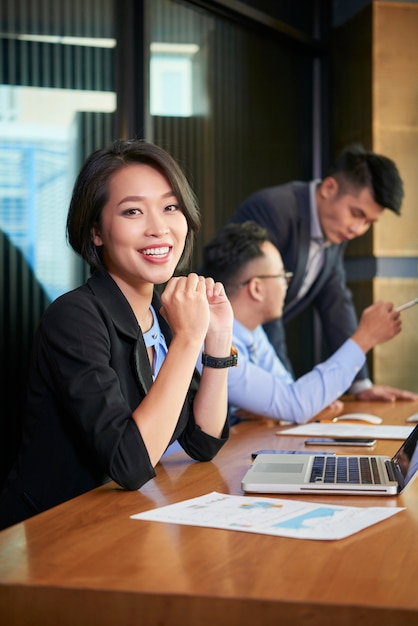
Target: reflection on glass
pixel 171 79
pixel 38 148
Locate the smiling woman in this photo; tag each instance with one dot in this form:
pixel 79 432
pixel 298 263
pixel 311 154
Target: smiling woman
pixel 113 382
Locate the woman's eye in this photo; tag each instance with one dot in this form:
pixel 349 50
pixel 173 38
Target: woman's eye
pixel 132 211
pixel 172 207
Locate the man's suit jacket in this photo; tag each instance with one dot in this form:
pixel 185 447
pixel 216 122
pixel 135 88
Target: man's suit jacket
pixel 285 211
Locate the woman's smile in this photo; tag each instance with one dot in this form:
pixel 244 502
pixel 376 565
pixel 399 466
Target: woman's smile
pixel 157 253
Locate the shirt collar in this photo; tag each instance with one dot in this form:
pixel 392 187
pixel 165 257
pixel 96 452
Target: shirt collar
pixel 243 334
pixel 316 231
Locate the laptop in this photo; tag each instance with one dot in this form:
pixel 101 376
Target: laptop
pixel 335 474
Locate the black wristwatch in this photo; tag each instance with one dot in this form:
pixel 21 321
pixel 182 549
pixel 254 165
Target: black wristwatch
pixel 221 362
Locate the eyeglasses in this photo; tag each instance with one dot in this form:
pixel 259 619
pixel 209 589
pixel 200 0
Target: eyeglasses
pixel 286 275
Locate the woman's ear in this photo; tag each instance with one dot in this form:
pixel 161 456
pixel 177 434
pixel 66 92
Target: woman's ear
pixel 96 237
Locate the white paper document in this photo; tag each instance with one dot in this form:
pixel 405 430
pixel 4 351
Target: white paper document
pixel 270 516
pixel 321 429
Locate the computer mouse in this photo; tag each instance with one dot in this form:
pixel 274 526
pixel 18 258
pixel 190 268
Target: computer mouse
pixel 412 418
pixel 359 417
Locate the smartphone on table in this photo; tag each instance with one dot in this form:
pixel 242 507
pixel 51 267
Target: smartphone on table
pixel 340 441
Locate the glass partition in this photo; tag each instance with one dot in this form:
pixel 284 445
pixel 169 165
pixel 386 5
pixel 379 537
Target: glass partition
pixel 56 67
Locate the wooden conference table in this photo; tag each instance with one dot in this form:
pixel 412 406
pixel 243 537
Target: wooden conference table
pixel 86 562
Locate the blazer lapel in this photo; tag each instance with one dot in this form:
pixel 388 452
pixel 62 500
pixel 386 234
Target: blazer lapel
pixel 142 364
pixel 124 319
pixel 301 191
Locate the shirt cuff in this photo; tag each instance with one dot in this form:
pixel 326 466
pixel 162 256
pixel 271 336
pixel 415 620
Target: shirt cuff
pixel 360 385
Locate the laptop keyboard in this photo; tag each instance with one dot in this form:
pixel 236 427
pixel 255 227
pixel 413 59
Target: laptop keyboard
pixel 358 470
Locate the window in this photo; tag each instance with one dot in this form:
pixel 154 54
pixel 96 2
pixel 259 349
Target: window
pixel 38 165
pixel 57 102
pixel 171 79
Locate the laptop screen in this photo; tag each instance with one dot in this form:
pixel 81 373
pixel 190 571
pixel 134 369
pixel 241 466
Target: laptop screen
pixel 406 459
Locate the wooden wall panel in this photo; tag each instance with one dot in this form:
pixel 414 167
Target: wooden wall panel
pixel 395 132
pixel 396 362
pixel 375 92
pixel 395 116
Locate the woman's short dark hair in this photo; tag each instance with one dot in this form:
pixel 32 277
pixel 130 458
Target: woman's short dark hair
pixel 91 192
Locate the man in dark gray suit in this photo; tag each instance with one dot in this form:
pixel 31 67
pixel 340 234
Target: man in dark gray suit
pixel 310 224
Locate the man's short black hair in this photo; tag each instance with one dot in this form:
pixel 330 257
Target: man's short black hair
pixel 231 249
pixel 357 168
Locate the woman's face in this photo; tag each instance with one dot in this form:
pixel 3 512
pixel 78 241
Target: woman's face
pixel 142 230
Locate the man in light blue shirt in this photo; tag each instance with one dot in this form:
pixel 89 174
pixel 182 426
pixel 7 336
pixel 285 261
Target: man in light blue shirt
pixel 251 269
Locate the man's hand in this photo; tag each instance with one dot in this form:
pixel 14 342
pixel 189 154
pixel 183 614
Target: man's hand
pixel 378 323
pixel 385 394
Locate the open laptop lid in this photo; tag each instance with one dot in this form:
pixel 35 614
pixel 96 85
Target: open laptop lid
pixel 405 461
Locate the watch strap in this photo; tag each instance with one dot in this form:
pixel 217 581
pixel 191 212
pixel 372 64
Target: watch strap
pixel 221 362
